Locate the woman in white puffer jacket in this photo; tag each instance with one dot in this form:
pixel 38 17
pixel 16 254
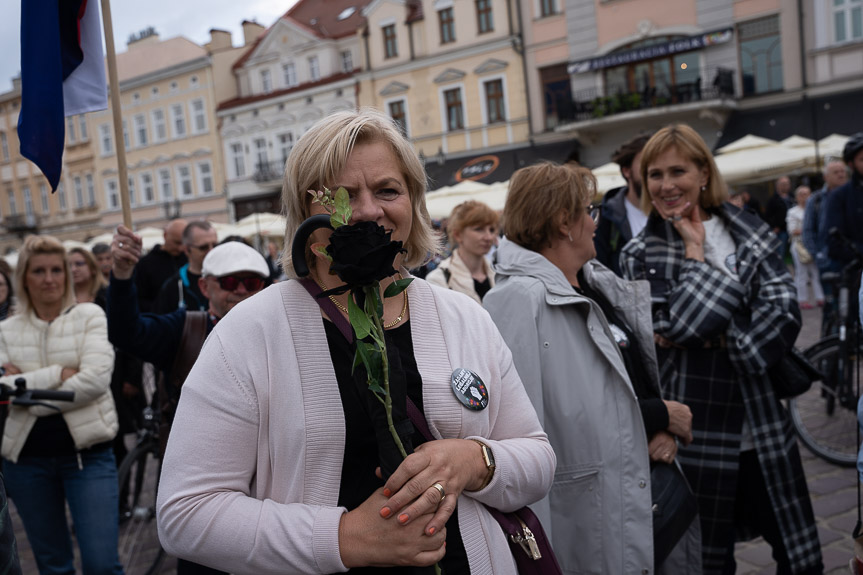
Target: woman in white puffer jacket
pixel 52 457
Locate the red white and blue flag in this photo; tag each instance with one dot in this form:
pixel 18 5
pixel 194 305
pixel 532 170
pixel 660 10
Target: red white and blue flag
pixel 62 74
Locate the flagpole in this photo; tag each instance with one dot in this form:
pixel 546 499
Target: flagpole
pixel 114 85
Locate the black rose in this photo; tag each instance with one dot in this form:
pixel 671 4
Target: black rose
pixel 362 253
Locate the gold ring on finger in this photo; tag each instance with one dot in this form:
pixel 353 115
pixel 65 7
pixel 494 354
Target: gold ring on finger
pixel 440 490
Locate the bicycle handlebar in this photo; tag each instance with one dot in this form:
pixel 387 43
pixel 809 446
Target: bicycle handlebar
pixel 24 396
pixel 47 394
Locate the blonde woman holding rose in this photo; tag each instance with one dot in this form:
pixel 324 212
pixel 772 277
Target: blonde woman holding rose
pixel 273 462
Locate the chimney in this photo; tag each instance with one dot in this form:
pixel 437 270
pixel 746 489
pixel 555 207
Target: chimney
pixel 219 40
pixel 251 32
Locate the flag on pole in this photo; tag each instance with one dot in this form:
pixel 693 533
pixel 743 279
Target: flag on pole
pixel 62 74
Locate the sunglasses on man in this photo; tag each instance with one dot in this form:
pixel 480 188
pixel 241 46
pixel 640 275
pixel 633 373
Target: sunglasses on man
pixel 231 283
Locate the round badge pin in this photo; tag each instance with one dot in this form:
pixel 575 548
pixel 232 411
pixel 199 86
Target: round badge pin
pixel 469 389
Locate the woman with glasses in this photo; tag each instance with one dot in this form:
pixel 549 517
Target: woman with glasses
pixel 473 228
pixel 90 285
pixel 586 338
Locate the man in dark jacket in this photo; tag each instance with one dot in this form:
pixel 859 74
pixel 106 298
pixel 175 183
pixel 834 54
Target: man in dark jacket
pixel 622 218
pixel 181 289
pixel 776 210
pixel 162 262
pixel 230 273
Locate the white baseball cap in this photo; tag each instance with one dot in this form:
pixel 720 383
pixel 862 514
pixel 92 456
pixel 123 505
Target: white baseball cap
pixel 234 257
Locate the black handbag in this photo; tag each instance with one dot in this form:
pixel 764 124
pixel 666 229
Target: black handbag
pixel 793 375
pixel 674 507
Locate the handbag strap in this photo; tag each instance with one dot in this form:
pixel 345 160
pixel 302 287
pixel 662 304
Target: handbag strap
pixel 329 308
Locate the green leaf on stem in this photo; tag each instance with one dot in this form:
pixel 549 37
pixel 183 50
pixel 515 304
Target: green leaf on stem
pixel 397 287
pixel 342 213
pixel 323 251
pixel 359 320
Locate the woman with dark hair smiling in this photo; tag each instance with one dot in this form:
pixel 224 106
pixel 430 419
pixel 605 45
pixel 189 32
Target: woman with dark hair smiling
pixel 724 311
pixel 282 459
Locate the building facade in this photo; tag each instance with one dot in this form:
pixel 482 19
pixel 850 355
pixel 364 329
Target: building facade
pixel 27 205
pixel 300 70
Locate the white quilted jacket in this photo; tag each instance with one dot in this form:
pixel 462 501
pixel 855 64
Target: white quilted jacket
pixel 78 338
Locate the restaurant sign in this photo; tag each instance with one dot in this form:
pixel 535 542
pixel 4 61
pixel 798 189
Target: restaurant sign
pixel 649 52
pixel 477 168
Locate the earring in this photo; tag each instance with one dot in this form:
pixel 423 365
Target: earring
pixel 703 188
pixel 570 236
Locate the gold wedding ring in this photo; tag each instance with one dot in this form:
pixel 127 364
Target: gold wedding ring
pixel 440 490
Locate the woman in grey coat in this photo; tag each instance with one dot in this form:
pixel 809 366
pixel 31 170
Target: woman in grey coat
pixel 579 364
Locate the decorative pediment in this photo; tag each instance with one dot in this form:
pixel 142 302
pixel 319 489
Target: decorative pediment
pixel 394 88
pixel 491 65
pixel 201 152
pixel 449 75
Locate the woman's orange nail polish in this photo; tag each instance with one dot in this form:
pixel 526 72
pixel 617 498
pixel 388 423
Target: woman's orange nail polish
pixel 403 518
pixel 387 492
pixel 386 512
pixel 432 530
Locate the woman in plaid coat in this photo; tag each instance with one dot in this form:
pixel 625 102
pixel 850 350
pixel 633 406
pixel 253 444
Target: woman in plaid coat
pixel 723 312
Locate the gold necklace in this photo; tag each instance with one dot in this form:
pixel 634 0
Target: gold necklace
pixel 393 323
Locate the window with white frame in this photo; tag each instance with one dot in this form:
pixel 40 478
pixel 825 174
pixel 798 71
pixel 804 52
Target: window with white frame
pixel 4 146
pixel 82 128
pixel 205 177
pixel 70 129
pixel 391 49
pixel 266 81
pixel 286 144
pixel 454 109
pixel 79 191
pixel 91 190
pixel 446 24
pixel 484 16
pixel 43 196
pixel 105 139
pixel 193 82
pixel 147 194
pixel 260 154
pixel 112 195
pixel 178 120
pixel 847 20
pixel 126 141
pixel 132 199
pixel 166 189
pixel 61 197
pixel 314 69
pixel 160 128
pixel 289 73
pixel 140 130
pixel 547 7
pixel 199 116
pixel 347 61
pixel 495 108
pixel 398 113
pixel 238 160
pixel 13 205
pixel 184 177
pixel 28 201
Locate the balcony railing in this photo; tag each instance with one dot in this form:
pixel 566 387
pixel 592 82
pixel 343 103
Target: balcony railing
pixel 269 171
pixel 595 104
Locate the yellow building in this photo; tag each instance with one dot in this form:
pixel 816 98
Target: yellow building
pixel 451 73
pixel 26 202
pixel 168 92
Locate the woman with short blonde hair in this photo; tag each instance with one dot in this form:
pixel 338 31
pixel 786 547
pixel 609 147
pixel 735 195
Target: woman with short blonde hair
pixel 87 278
pixel 472 229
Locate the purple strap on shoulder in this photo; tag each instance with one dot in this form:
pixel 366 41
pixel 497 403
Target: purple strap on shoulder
pixel 329 307
pixel 418 419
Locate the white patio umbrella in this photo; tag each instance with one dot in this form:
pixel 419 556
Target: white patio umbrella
pixel 440 203
pixel 762 164
pixel 608 177
pixel 747 142
pixel 832 146
pixel 261 224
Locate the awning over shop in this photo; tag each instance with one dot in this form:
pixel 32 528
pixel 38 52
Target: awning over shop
pixel 493 167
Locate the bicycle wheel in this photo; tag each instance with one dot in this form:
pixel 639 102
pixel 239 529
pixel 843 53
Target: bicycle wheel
pixel 139 547
pixel 825 417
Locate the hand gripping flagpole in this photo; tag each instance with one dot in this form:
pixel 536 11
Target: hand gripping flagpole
pixel 114 85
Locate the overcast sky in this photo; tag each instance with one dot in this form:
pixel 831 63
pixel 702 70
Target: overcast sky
pixel 190 18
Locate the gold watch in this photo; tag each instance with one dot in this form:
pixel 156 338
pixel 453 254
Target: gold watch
pixel 488 458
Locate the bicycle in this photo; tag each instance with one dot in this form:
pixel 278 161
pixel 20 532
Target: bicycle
pixel 139 547
pixel 825 417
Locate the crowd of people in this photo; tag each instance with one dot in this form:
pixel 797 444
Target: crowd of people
pixel 568 355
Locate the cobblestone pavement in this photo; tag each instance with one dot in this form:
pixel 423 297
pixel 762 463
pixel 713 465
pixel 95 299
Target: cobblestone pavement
pixel 833 492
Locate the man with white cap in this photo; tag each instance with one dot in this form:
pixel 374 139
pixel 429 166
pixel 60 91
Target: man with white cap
pixel 231 272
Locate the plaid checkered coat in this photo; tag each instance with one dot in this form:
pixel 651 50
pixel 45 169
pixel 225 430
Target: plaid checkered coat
pixel 729 332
